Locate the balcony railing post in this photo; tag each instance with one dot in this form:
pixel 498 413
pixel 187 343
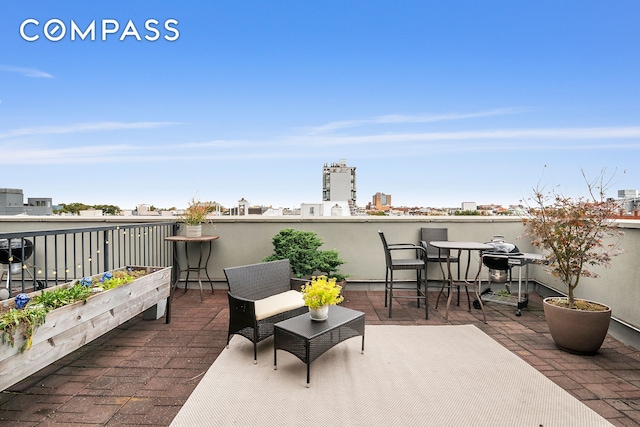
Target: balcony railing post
pixel 105 249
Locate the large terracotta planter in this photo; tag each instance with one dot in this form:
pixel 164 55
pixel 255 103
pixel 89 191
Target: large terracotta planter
pixel 577 331
pixel 70 327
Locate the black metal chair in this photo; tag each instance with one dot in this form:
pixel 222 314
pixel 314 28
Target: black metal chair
pixel 439 255
pixel 434 254
pixel 416 263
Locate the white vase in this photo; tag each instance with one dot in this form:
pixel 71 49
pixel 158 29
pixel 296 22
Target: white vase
pixel 319 314
pixel 194 230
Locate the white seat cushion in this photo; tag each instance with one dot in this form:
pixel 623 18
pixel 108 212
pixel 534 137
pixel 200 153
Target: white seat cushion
pixel 278 303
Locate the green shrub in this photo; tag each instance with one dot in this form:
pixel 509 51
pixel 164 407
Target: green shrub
pixel 301 248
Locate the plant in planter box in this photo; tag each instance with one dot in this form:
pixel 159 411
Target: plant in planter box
pixel 301 248
pixel 575 234
pixel 26 314
pixel 69 315
pixel 24 320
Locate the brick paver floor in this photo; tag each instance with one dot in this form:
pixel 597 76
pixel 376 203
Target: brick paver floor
pixel 142 372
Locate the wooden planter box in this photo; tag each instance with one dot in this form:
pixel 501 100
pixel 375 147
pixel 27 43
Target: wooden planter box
pixel 70 327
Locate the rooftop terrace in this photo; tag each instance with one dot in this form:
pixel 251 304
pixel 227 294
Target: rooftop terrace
pixel 142 372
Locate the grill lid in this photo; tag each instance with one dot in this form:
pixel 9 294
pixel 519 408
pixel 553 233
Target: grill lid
pixel 17 248
pixel 501 247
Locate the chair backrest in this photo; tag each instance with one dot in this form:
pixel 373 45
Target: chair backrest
pixel 432 235
pixel 258 281
pixel 387 252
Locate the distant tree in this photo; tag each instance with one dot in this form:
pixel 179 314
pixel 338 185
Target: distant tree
pixel 376 213
pixel 467 212
pixel 108 209
pixel 73 208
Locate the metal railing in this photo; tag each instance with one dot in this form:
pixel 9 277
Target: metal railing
pixel 51 257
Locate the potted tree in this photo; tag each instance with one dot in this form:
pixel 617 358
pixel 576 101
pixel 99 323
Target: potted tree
pixel 301 248
pixel 575 235
pixel 319 295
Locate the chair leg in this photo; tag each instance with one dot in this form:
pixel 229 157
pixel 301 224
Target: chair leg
pixel 390 293
pixel 426 293
pixel 255 353
pixel 386 286
pixel 458 267
pixel 418 285
pixel 255 344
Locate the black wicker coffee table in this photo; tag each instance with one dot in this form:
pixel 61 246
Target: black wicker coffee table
pixel 307 339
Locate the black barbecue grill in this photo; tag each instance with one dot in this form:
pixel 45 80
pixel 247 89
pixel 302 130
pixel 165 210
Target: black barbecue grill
pixel 13 254
pixel 21 250
pixel 500 262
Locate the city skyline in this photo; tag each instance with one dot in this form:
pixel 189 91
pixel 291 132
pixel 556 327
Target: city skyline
pixel 434 103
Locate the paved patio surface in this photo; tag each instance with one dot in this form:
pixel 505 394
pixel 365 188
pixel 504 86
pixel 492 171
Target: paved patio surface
pixel 142 372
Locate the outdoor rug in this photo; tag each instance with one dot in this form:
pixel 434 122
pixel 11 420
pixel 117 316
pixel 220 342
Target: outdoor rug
pixel 408 376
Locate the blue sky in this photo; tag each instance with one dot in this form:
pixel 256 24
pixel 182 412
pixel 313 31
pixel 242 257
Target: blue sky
pixel 434 102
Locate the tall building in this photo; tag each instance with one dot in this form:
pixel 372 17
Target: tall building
pixel 339 183
pixel 381 201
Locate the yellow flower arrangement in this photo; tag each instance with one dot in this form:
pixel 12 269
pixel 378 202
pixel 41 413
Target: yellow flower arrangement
pixel 321 291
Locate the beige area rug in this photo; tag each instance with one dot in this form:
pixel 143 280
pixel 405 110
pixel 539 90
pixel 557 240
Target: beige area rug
pixel 407 376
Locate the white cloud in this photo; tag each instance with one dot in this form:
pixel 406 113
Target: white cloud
pixel 42 151
pixel 543 133
pixel 82 127
pixel 68 155
pixel 399 119
pixel 27 72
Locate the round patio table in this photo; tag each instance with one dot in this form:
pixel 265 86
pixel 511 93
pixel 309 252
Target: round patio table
pixel 448 277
